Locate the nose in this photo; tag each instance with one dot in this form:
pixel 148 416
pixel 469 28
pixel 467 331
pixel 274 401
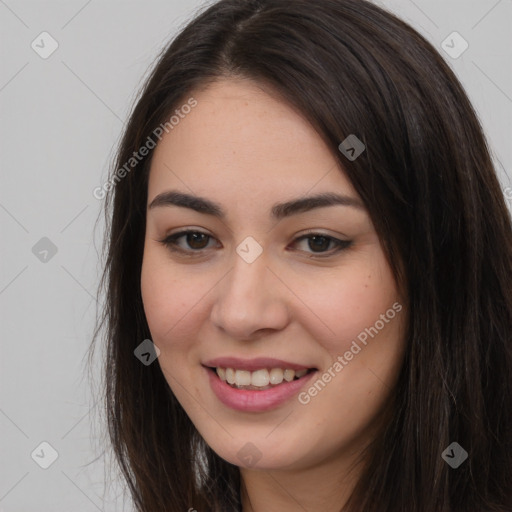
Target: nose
pixel 250 301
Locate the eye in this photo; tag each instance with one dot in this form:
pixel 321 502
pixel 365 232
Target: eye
pixel 321 244
pixel 187 241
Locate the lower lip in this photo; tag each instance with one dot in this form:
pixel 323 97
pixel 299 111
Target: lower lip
pixel 253 400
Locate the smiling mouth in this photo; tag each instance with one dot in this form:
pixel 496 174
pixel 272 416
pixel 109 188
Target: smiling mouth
pixel 259 380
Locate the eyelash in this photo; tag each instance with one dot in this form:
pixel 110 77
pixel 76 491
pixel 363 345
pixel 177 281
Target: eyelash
pixel 171 243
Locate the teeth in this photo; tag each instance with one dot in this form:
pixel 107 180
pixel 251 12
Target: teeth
pixel 289 375
pixel 262 379
pixel 242 378
pixel 276 376
pixel 230 375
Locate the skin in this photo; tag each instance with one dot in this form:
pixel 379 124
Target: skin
pixel 245 149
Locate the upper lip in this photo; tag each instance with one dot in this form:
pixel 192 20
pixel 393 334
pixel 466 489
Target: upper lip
pixel 253 364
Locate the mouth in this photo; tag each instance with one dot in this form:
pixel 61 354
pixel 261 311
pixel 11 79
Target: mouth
pixel 258 380
pixel 256 385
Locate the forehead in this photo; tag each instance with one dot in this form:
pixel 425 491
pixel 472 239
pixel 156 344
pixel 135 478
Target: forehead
pixel 244 137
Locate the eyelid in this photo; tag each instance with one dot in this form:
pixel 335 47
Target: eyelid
pixel 313 231
pixel 188 229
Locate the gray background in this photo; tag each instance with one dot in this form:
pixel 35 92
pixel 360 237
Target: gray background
pixel 60 120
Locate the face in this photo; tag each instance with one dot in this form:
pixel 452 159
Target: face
pixel 261 261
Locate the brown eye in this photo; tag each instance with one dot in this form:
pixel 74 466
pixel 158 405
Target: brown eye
pixel 197 240
pixel 321 245
pixel 188 241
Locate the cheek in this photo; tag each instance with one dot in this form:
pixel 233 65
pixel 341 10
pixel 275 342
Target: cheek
pixel 347 302
pixel 171 298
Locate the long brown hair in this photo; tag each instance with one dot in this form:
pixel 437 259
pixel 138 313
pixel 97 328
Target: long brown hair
pixel 428 183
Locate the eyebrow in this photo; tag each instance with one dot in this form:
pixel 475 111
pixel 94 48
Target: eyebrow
pixel 278 211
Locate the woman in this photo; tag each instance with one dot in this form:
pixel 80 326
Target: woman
pixel 308 273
